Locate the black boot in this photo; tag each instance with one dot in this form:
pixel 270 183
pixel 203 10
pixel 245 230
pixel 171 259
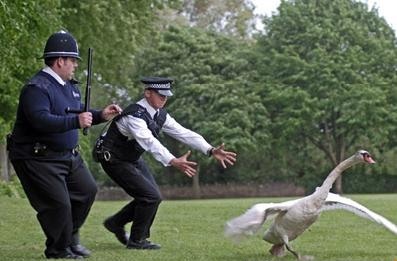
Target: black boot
pixel 142 244
pixel 78 248
pixel 117 230
pixel 65 254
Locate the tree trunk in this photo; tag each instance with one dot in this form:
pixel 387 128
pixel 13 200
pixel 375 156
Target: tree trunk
pixel 10 169
pixel 196 185
pixel 5 174
pixel 338 185
pixel 340 156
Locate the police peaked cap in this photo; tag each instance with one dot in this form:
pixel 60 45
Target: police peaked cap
pixel 61 44
pixel 160 84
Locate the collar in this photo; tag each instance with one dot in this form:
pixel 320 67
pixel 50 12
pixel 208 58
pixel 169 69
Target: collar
pixel 147 106
pixel 51 72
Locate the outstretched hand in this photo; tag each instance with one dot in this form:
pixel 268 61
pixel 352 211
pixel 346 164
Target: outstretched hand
pixel 185 166
pixel 224 156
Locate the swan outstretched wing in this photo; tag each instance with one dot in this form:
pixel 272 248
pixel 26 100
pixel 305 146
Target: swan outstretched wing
pixel 252 220
pixel 335 201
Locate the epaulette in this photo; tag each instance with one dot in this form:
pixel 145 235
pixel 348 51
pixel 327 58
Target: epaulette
pixel 139 112
pixel 134 110
pixel 39 81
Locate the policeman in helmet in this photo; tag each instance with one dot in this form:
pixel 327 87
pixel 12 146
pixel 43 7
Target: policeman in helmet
pixel 44 148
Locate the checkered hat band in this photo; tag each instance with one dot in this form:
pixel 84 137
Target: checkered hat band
pixel 159 86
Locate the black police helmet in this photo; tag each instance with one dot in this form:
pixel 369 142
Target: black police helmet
pixel 61 44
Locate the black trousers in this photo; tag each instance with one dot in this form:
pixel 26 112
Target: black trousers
pixel 136 179
pixel 62 192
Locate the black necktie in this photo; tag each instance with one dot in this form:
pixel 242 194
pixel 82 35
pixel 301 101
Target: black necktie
pixel 155 116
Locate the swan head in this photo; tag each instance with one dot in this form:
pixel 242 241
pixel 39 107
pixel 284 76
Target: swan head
pixel 364 156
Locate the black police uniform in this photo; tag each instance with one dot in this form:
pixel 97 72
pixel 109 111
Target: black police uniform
pixel 126 167
pixel 120 156
pixel 42 149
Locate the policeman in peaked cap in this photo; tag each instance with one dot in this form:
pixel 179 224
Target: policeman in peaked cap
pixel 159 84
pixel 132 133
pixel 43 148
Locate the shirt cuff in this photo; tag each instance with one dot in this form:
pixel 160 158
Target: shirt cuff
pixel 167 160
pixel 209 151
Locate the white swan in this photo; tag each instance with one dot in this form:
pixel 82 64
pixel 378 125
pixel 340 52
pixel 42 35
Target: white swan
pixel 293 217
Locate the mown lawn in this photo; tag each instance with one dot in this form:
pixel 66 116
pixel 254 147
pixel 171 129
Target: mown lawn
pixel 193 230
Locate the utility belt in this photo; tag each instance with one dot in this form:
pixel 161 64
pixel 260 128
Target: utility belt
pixel 38 149
pixel 99 153
pixel 111 151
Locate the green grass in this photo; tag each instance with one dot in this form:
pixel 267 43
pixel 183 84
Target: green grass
pixel 193 230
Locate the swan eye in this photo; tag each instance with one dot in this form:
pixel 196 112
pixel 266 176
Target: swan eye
pixel 367 157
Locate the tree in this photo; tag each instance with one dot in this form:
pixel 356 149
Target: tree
pixel 213 92
pixel 232 17
pixel 331 68
pixel 115 29
pixel 20 49
pixel 25 26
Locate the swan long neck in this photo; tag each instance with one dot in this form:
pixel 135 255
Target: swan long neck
pixel 336 172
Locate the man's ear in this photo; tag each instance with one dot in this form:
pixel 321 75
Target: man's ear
pixel 147 93
pixel 59 62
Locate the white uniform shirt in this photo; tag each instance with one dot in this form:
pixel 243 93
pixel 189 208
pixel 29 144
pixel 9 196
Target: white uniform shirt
pixel 136 128
pixel 48 70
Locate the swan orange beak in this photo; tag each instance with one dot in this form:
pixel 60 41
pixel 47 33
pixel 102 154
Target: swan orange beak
pixel 369 159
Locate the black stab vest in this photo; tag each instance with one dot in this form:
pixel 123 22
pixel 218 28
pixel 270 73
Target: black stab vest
pixel 129 150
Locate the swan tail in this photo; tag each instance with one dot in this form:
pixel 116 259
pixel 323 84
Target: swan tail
pixel 246 224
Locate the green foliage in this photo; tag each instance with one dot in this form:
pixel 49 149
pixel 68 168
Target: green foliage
pixel 361 182
pixel 231 17
pixel 318 84
pixel 115 30
pixel 184 228
pixel 212 73
pixel 331 67
pixel 112 29
pixel 25 26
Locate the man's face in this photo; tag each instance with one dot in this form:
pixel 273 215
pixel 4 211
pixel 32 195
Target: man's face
pixel 155 99
pixel 67 66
